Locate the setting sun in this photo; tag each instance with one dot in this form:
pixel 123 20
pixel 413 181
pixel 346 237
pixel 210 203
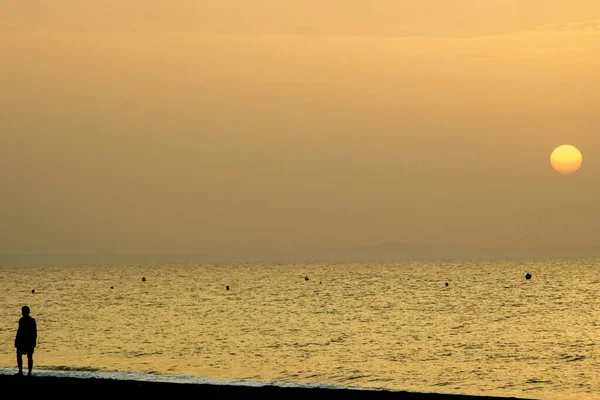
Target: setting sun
pixel 566 159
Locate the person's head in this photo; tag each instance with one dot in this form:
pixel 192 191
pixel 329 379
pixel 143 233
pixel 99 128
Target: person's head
pixel 25 311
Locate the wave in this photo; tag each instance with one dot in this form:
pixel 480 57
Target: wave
pixel 89 372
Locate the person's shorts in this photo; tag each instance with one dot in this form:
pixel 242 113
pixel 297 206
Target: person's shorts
pixel 24 351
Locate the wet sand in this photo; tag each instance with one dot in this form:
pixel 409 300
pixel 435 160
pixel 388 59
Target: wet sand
pixel 47 386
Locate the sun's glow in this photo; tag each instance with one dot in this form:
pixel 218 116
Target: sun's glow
pixel 566 159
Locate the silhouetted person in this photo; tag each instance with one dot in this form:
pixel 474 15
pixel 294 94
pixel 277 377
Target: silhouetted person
pixel 26 339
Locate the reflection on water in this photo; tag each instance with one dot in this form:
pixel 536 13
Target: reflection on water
pixel 394 325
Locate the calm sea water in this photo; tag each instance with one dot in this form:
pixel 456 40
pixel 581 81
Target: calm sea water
pixel 369 325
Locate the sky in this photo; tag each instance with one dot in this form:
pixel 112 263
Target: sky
pixel 300 130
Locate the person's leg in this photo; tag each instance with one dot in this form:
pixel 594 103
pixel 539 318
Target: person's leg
pixel 29 363
pixel 20 362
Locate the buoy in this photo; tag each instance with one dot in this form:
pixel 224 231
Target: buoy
pixel 528 276
pixel 112 287
pixel 446 283
pixel 305 278
pixel 32 290
pixel 144 279
pixel 227 287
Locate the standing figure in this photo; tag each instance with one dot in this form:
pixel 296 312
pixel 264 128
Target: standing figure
pixel 26 339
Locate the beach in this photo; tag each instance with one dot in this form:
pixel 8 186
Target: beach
pixel 50 385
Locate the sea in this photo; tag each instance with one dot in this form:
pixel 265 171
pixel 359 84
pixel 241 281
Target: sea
pixel 475 327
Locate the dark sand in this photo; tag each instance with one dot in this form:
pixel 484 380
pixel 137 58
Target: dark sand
pixel 48 386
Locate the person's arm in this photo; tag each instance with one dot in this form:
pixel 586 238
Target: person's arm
pixel 17 335
pixel 34 333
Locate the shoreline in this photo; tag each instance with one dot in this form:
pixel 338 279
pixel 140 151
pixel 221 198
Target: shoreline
pixel 49 385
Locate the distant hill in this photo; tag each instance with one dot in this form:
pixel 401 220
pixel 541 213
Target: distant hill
pixel 381 252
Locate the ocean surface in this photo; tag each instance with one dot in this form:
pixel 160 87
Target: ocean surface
pixel 464 327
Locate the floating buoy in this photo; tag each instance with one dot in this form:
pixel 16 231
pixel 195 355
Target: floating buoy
pixel 528 276
pixel 227 287
pixel 446 284
pixel 32 290
pixel 112 287
pixel 305 278
pixel 144 279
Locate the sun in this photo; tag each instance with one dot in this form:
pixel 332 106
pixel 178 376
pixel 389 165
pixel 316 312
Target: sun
pixel 566 159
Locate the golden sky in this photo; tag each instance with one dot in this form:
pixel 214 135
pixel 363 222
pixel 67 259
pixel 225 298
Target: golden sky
pixel 307 128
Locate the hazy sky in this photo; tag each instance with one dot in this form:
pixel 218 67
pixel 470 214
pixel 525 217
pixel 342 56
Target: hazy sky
pixel 268 129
